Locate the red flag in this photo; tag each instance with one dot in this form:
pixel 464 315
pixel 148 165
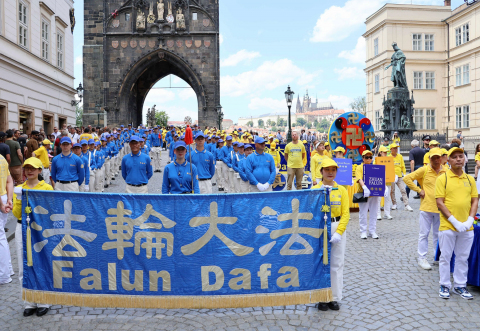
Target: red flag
pixel 188 135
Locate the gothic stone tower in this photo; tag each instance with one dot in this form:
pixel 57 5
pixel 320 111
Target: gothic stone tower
pixel 130 45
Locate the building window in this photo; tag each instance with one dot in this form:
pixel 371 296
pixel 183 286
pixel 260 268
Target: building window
pixel 377 83
pixel 458 36
pixel 462 34
pixel 194 16
pixel 430 119
pixel 45 40
pixel 458 76
pixel 417 41
pixel 375 47
pixel 59 50
pixel 22 25
pixel 417 80
pixel 466 74
pixel 462 117
pixel 430 80
pixel 377 119
pixel 458 117
pixel 429 42
pixel 466 116
pixel 418 119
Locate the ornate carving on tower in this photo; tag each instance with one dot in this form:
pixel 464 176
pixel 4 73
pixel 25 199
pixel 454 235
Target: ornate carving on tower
pixel 140 20
pixel 151 16
pixel 181 20
pixel 170 18
pixel 160 11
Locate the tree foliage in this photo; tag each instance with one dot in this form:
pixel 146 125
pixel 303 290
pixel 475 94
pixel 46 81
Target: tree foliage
pixel 301 121
pixel 161 118
pixel 359 105
pixel 261 123
pixel 250 124
pixel 78 116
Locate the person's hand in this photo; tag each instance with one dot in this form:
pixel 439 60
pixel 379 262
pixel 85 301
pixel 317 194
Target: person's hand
pixel 366 191
pixel 260 187
pixel 422 194
pixel 396 179
pixel 266 186
pixel 468 224
pixel 87 188
pixel 336 238
pixel 315 183
pixel 3 208
pixel 460 227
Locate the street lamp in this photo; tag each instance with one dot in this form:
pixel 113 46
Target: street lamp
pixel 220 116
pixel 289 97
pixel 80 95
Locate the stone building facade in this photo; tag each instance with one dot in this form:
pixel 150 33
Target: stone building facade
pixel 141 42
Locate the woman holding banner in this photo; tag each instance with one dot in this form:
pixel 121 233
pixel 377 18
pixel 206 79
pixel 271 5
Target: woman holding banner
pixel 340 214
pixel 372 202
pixel 382 152
pixel 33 168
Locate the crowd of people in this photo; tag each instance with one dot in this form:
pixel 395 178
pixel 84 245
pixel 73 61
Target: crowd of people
pixel 89 159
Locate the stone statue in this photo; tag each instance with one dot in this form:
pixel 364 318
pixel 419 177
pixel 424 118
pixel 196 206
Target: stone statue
pixel 384 123
pixel 398 67
pixel 404 121
pixel 160 10
pixel 180 20
pixel 151 16
pixel 140 20
pixel 170 12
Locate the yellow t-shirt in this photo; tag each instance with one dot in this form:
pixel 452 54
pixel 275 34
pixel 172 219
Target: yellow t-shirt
pixel 358 176
pixel 85 136
pixel 457 192
pixel 276 157
pixel 427 178
pixel 315 163
pixel 426 158
pixel 42 155
pixel 4 173
pixel 399 165
pixel 295 154
pixel 328 153
pixel 477 156
pixel 339 205
pixel 17 204
pixel 396 140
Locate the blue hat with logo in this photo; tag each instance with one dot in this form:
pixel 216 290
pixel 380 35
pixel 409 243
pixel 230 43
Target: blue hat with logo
pixel 84 142
pixel 65 140
pixel 240 129
pixel 179 144
pixel 77 145
pixel 240 145
pixel 97 143
pixel 235 143
pixel 259 140
pixel 107 135
pixel 134 138
pixel 142 140
pixel 182 137
pixel 91 141
pixel 200 134
pixel 220 141
pixel 121 126
pixel 103 139
pixel 228 138
pixel 248 146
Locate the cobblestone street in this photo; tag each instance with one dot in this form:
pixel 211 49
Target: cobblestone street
pixel 384 289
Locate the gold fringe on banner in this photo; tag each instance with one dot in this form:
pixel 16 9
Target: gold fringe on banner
pixel 325 244
pixel 29 247
pixel 177 302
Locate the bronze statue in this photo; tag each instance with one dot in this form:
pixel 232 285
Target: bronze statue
pixel 398 67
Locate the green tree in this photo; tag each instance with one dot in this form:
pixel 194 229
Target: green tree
pixel 359 105
pixel 261 123
pixel 294 125
pixel 270 122
pixel 250 124
pixel 78 116
pixel 324 125
pixel 161 118
pixel 274 129
pixel 309 125
pixel 279 120
pixel 301 121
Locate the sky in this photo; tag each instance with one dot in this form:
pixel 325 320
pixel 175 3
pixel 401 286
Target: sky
pixel 270 44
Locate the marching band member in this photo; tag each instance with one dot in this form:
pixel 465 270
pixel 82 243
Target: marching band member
pixel 107 153
pixel 244 184
pixel 457 200
pixel 231 171
pixel 67 168
pixel 429 215
pixel 90 155
pixel 177 178
pixel 235 165
pixel 77 149
pixel 100 172
pixel 156 143
pixel 218 166
pixel 224 156
pixel 136 168
pixel 204 161
pixel 260 168
pixel 340 214
pixel 372 203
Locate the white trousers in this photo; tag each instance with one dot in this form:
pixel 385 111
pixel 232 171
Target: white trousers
pixel 387 203
pixel 218 174
pixel 156 153
pixel 461 243
pixel 245 187
pixel 108 178
pixel 372 206
pixel 46 175
pixel 93 177
pixel 337 262
pixel 214 177
pixel 428 221
pixel 5 260
pixel 254 188
pixel 236 182
pixel 19 245
pixel 99 178
pixel 225 178
pixel 72 187
pixel 205 186
pixel 136 190
pixel 231 180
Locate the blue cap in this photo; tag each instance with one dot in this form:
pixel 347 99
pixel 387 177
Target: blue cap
pixel 84 142
pixel 114 136
pixel 134 138
pixel 240 129
pixel 97 143
pixel 235 143
pixel 229 138
pixel 248 146
pixel 182 137
pixel 121 126
pixel 107 136
pixel 179 144
pixel 77 145
pixel 200 134
pixel 240 145
pixel 220 141
pixel 91 141
pixel 65 140
pixel 259 140
pixel 142 140
pixel 103 139
pixel 129 125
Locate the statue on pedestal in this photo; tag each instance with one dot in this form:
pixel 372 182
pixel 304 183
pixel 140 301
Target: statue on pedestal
pixel 398 67
pixel 140 20
pixel 160 10
pixel 151 16
pixel 404 121
pixel 180 20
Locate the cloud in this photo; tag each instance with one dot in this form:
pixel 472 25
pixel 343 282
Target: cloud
pixel 349 73
pixel 221 38
pixel 187 93
pixel 339 101
pixel 356 55
pixel 79 60
pixel 240 56
pixel 270 75
pixel 267 103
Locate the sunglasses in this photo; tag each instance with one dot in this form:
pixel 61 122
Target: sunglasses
pixel 368 157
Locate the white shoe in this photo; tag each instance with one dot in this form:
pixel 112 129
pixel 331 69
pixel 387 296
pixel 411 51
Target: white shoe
pixel 408 208
pixel 388 217
pixel 379 217
pixel 424 264
pixel 394 207
pixel 374 235
pixel 364 235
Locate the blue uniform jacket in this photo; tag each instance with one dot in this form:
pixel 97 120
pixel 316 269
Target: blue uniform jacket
pixel 99 159
pixel 205 163
pixel 154 140
pixel 236 160
pixel 241 169
pixel 106 152
pixel 177 178
pixel 137 168
pixel 86 168
pixel 67 168
pixel 93 164
pixel 260 168
pixel 225 153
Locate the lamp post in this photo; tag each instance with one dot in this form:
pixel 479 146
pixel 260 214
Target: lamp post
pixel 220 116
pixel 98 110
pixel 80 95
pixel 289 97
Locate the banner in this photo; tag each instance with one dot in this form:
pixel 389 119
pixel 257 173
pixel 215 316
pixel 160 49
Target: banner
pixel 344 173
pixel 176 251
pixel 374 178
pixel 387 161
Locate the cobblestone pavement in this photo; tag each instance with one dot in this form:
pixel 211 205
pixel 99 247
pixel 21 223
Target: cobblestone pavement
pixel 384 289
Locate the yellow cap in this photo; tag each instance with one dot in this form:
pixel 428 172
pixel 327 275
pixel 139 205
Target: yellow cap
pixel 304 142
pixel 339 149
pixel 328 163
pixel 453 150
pixel 383 149
pixel 394 145
pixel 34 162
pixel 46 142
pixel 434 142
pixel 444 151
pixel 273 146
pixel 276 140
pixel 367 152
pixel 435 151
pixel 327 144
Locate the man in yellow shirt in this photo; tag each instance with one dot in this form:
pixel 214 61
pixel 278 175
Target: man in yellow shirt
pixel 85 135
pixel 429 215
pixel 42 154
pixel 340 214
pixel 294 154
pixel 316 161
pixel 400 170
pixel 457 200
pixel 432 144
